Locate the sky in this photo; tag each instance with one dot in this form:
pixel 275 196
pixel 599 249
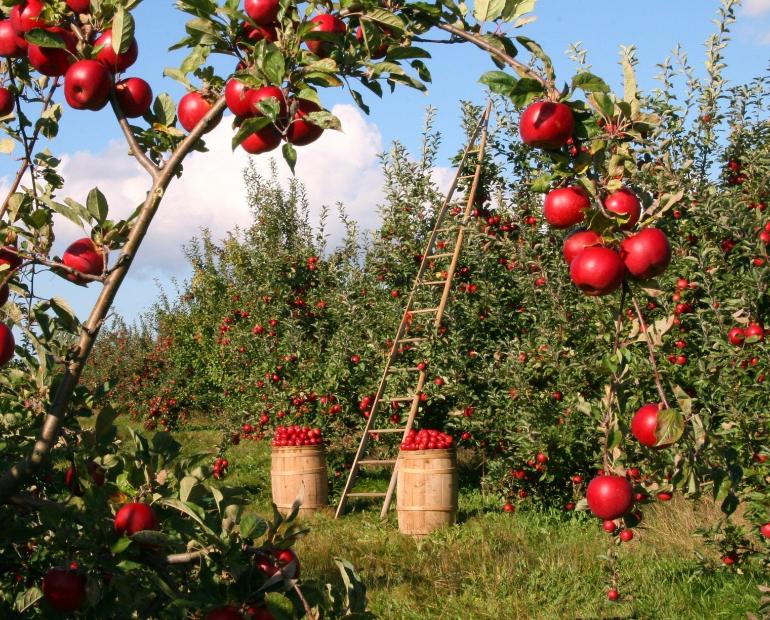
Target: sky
pixel 343 166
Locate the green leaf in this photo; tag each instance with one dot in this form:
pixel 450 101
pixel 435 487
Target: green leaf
pixel 290 155
pixel 489 10
pixel 324 119
pixel 542 183
pixel 250 126
pixel 186 485
pixel 603 104
pixel 122 31
pixel 105 422
pixel 540 54
pixel 514 9
pixel 164 109
pixel 670 427
pixel 589 83
pixel 45 38
pixel 386 18
pixel 96 204
pixel 499 82
pixel 398 52
pixel 120 545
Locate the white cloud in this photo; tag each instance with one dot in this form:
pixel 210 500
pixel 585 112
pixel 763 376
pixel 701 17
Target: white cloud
pixel 340 166
pixel 756 7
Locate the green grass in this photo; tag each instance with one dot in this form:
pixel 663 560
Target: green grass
pixel 494 565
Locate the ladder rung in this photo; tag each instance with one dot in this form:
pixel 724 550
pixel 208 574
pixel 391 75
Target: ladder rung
pixel 432 283
pixel 442 255
pixel 423 311
pixel 449 229
pixel 388 430
pixel 378 462
pixel 404 368
pixel 466 176
pixel 367 494
pixel 418 339
pixel 401 399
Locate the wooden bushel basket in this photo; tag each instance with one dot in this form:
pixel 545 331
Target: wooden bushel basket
pixel 299 472
pixel 426 492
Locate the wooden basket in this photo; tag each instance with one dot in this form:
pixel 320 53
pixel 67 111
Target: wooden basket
pixel 426 492
pixel 299 472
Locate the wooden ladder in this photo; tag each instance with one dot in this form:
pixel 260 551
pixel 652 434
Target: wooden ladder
pixel 479 136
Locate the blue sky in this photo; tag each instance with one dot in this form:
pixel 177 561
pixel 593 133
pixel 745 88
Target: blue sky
pixel 90 140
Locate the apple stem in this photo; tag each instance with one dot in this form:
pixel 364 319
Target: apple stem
pixel 650 350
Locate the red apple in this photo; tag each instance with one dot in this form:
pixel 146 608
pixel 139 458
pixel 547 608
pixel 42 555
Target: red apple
pixel 286 556
pixel 508 507
pixel 251 34
pixel 736 336
pixel 578 241
pixel 259 613
pixel 238 98
pixel 79 6
pixel 24 16
pixel 262 12
pixel 64 590
pixel 11 44
pixel 262 141
pixel 10 257
pixel 609 497
pixel 626 535
pixel 597 270
pixel 7 101
pixel 328 24
pixel 84 256
pixel 625 203
pixel 7 344
pixel 566 206
pixel 4 294
pixel 224 613
pixel 51 61
pixel 303 132
pixel 134 97
pixel 644 425
pixel 107 56
pixel 135 517
pixel 192 108
pixel 754 333
pixel 87 85
pixel 613 595
pixel 646 254
pixel 546 124
pixel 267 92
pixel 765 530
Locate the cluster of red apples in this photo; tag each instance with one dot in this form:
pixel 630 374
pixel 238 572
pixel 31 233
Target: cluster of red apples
pixel 597 265
pixel 751 334
pixel 427 439
pixel 287 436
pixel 89 67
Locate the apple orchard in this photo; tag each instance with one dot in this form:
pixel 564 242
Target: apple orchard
pixel 604 346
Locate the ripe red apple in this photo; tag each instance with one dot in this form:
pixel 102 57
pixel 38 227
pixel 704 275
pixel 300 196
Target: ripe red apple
pixel 597 270
pixel 609 526
pixel 259 613
pixel 546 124
pixel 238 98
pixel 624 202
pixel 644 425
pixel 87 85
pixel 609 497
pixel 252 34
pixel 508 507
pixel 116 63
pixel 224 613
pixel 263 12
pixel 264 93
pixel 51 61
pixel 135 517
pixel 262 141
pixel 79 6
pixel 24 16
pixel 134 97
pixel 754 333
pixel 284 557
pixel 329 24
pixel 736 336
pixel 626 535
pixel 646 254
pixel 84 256
pixel 7 102
pixel 302 132
pixel 765 530
pixel 566 206
pixel 64 590
pixel 613 595
pixel 192 108
pixel 7 344
pixel 11 44
pixel 578 241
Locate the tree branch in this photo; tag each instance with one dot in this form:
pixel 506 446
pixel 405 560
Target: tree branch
pixel 651 353
pixel 15 477
pixel 133 145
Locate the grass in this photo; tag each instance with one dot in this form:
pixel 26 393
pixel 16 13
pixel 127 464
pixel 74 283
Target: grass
pixel 527 565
